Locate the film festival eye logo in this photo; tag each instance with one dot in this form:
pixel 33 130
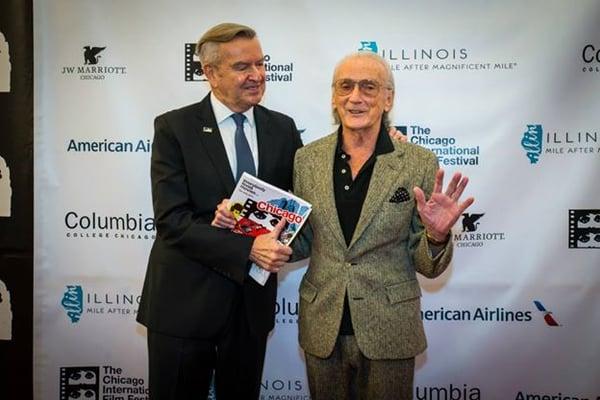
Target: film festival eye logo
pixel 5 189
pixel 584 229
pixel 193 68
pixel 532 142
pixel 5 313
pixel 368 46
pixel 550 321
pixel 72 302
pixel 79 383
pixel 4 65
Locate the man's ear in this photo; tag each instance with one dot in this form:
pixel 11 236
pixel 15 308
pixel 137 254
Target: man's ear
pixel 389 101
pixel 209 72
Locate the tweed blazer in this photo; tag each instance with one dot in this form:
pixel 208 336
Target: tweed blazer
pixel 378 268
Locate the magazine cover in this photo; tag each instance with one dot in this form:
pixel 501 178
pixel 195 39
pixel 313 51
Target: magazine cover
pixel 259 206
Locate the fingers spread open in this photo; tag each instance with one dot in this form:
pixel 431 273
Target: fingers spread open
pixel 460 188
pixel 439 181
pixel 465 204
pixel 419 197
pixel 453 184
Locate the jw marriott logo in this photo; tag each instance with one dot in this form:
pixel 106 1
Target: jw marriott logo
pixel 94 66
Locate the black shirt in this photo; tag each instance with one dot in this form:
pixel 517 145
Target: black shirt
pixel 350 196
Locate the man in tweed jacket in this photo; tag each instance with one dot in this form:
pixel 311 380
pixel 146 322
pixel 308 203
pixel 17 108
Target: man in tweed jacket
pixel 379 217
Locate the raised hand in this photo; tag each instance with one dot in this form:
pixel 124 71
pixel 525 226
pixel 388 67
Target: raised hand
pixel 267 252
pixel 442 210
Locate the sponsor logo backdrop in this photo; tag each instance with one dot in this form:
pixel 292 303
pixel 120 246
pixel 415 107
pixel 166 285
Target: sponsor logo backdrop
pixel 506 93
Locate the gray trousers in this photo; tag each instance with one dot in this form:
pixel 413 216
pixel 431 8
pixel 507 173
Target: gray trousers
pixel 348 375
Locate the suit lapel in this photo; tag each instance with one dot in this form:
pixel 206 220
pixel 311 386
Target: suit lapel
pixel 323 189
pixel 210 136
pixel 264 136
pixel 385 174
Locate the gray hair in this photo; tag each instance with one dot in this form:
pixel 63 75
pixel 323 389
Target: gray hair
pixel 207 48
pixel 389 78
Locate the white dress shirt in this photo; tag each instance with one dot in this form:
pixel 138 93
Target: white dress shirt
pixel 227 128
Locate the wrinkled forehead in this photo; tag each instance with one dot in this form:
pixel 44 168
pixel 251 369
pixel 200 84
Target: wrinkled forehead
pixel 360 68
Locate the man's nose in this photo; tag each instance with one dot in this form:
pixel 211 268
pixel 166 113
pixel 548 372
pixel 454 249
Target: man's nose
pixel 355 94
pixel 256 72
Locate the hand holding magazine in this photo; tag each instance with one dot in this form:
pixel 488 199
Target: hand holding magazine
pixel 258 206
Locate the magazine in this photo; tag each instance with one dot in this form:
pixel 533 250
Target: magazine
pixel 258 206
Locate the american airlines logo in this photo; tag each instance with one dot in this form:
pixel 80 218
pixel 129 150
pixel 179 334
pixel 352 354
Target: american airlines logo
pixel 550 320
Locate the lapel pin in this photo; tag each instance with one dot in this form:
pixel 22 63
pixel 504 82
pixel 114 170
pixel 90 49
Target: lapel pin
pixel 206 129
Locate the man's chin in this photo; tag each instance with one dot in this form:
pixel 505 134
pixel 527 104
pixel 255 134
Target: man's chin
pixel 354 123
pixel 254 99
pixel 359 125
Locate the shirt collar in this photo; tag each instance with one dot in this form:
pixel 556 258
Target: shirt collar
pixel 382 146
pixel 222 112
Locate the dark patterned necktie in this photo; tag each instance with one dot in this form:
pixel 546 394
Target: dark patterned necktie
pixel 245 161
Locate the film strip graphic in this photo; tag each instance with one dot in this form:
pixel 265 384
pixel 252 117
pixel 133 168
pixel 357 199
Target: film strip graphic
pixel 79 383
pixel 248 208
pixel 193 68
pixel 584 229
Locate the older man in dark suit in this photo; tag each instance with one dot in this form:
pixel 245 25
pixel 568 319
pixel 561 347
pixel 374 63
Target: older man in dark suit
pixel 202 310
pixel 370 231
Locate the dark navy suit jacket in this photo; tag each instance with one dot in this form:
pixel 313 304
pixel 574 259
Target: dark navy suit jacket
pixel 195 270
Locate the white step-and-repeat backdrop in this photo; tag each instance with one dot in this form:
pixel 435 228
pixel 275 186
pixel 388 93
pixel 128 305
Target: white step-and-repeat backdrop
pixel 506 92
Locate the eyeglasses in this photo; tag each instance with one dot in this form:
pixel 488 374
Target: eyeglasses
pixel 368 88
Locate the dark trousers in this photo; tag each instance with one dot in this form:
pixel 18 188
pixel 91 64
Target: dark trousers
pixel 182 368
